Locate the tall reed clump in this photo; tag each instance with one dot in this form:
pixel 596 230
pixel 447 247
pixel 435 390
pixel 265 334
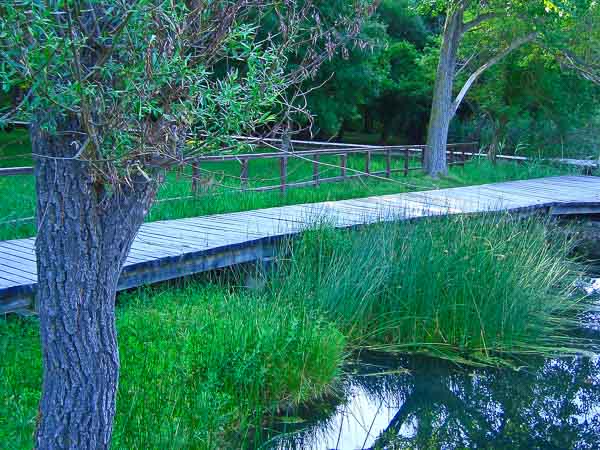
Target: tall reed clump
pixel 201 367
pixel 470 289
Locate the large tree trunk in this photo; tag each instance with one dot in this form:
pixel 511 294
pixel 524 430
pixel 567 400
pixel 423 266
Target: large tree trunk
pixel 84 235
pixel 442 109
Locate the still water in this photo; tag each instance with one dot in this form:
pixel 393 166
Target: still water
pixel 425 403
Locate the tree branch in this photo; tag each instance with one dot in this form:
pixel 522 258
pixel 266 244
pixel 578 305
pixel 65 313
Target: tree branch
pixel 468 26
pixel 496 59
pixel 590 72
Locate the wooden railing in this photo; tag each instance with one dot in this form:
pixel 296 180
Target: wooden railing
pixel 457 154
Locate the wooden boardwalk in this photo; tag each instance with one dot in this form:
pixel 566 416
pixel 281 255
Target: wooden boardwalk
pixel 169 249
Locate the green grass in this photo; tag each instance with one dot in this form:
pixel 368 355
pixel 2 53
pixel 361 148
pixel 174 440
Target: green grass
pixel 480 290
pixel 201 368
pixel 222 193
pixel 211 365
pixel 206 366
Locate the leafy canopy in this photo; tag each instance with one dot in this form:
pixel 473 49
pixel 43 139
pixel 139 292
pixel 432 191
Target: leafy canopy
pixel 154 82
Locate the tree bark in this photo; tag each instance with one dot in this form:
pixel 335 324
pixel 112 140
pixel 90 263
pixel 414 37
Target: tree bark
pixel 443 107
pixel 84 235
pixel 435 163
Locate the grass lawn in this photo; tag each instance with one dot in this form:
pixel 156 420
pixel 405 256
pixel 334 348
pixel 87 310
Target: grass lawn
pixel 222 192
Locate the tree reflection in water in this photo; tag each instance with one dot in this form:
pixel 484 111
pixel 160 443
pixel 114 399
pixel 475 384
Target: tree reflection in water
pixel 426 403
pixel 437 405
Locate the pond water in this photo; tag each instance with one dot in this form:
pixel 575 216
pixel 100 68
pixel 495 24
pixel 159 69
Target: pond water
pixel 417 402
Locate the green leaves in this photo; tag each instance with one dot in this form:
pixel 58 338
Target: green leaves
pixel 142 77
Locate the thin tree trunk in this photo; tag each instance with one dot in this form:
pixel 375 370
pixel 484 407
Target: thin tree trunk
pixel 84 236
pixel 442 106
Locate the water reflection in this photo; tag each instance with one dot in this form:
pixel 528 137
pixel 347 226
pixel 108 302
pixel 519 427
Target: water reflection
pixel 427 403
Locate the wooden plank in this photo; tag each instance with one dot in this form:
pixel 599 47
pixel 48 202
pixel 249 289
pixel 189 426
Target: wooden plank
pixel 253 230
pixel 151 251
pixel 5 283
pixel 198 242
pixel 171 240
pixel 26 246
pixel 24 266
pixel 16 274
pixel 247 225
pixel 176 227
pixel 538 194
pixel 140 257
pixel 166 245
pixel 298 217
pixel 220 225
pixel 530 199
pixel 195 233
pixel 18 252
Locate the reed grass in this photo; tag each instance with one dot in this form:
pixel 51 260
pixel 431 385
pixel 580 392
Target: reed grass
pixel 483 290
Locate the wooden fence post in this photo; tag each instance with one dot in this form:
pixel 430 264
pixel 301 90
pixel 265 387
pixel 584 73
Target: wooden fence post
pixel 406 161
pixel 463 155
pixel 195 176
pixel 343 164
pixel 451 158
pixel 423 150
pixel 316 170
pixel 368 163
pixel 388 163
pixel 283 163
pixel 244 174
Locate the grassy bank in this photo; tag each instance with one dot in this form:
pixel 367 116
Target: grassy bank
pixel 222 194
pixel 207 364
pixel 482 290
pixel 201 368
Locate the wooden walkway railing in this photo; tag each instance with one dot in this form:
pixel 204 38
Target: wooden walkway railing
pixel 458 154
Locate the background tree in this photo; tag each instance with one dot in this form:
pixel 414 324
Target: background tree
pixel 118 92
pixel 529 103
pixel 501 27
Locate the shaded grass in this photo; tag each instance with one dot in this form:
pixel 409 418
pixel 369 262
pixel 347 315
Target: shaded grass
pixel 479 290
pixel 201 368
